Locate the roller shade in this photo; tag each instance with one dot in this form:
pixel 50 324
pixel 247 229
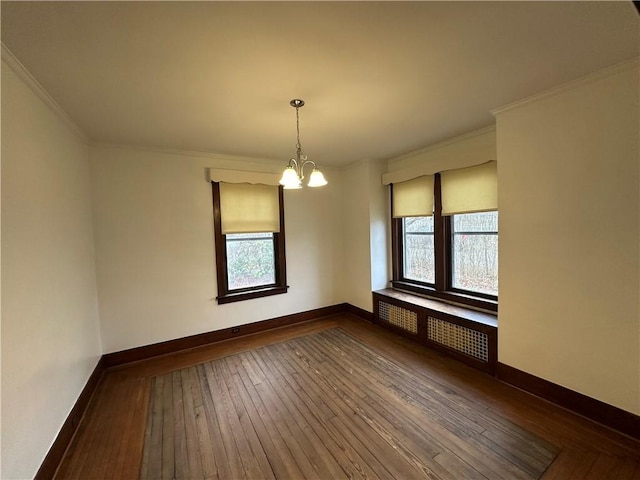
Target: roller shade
pixel 246 208
pixel 243 176
pixel 468 190
pixel 413 198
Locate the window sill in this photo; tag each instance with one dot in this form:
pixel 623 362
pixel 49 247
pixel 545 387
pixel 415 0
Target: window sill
pixel 453 297
pixel 248 295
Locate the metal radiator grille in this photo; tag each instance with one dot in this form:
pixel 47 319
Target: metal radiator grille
pixel 462 339
pixel 398 316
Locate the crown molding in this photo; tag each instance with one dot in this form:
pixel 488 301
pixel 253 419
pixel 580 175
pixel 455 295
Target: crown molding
pixel 434 146
pixel 571 84
pixel 188 153
pixel 11 61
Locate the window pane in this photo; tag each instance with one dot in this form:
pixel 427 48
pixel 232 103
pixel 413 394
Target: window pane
pixel 476 222
pixel 475 252
pixel 250 260
pixel 419 262
pixel 417 224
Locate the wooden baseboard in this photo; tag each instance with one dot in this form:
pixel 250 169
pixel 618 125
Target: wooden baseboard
pixel 51 462
pixel 603 413
pixel 359 312
pixel 193 341
pixel 55 454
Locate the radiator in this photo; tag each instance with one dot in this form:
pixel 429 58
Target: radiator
pixel 399 317
pixel 461 339
pixel 465 340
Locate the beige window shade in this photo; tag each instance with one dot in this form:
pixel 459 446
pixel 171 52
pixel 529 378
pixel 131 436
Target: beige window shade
pixel 468 190
pixel 413 198
pixel 242 176
pixel 246 208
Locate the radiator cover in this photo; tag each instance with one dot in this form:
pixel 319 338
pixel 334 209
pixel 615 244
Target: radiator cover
pixel 461 339
pixel 399 317
pixel 467 335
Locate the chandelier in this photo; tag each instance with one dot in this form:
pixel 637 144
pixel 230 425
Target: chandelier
pixel 294 173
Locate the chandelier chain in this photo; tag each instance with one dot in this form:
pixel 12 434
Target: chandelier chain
pixel 294 172
pixel 298 146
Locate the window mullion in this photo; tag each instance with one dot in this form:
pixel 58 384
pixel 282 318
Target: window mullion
pixel 441 242
pixel 396 245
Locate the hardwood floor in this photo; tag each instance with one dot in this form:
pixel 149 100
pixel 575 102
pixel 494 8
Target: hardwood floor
pixel 261 408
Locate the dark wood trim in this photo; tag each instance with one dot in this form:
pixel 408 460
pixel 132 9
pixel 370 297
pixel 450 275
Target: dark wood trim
pixel 281 257
pixel 220 246
pixel 608 415
pixel 486 323
pixel 442 238
pixel 396 242
pixel 55 454
pixel 228 296
pixel 461 298
pixel 463 312
pixel 249 294
pixel 172 346
pixel 359 312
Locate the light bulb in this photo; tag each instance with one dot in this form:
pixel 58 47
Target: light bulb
pixel 290 179
pixel 317 179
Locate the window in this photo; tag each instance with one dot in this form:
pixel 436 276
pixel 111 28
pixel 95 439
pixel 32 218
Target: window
pixel 452 255
pixel 249 241
pixel 474 252
pixel 250 260
pixel 419 254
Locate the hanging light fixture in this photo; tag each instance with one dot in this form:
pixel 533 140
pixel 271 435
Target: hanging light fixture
pixel 294 173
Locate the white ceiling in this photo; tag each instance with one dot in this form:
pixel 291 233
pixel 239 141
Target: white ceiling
pixel 379 78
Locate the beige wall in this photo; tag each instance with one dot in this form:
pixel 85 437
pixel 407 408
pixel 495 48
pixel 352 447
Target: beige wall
pixel 471 149
pixel 355 231
pixel 379 227
pixel 155 252
pixel 568 190
pixel 569 200
pixel 50 332
pixel 365 227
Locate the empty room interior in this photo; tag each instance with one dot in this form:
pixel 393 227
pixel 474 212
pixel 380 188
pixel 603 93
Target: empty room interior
pixel 320 240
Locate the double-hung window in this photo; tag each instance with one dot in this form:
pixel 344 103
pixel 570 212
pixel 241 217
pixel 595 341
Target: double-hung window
pixel 474 252
pixel 445 235
pixel 249 240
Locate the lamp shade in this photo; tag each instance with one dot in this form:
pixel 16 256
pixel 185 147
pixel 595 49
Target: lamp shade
pixel 317 179
pixel 290 179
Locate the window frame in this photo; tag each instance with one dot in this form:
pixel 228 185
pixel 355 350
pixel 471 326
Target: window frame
pixel 404 235
pixel 225 295
pixel 462 291
pixel 442 289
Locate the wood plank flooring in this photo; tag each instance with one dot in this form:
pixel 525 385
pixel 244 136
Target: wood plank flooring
pixel 316 401
pixel 294 409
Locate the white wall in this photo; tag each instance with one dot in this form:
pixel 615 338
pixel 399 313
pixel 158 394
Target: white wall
pixel 379 226
pixel 50 332
pixel 155 253
pixel 568 176
pixel 366 234
pixel 473 148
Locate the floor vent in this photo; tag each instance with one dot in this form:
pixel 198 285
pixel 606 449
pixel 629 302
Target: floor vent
pixel 462 339
pixel 399 317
